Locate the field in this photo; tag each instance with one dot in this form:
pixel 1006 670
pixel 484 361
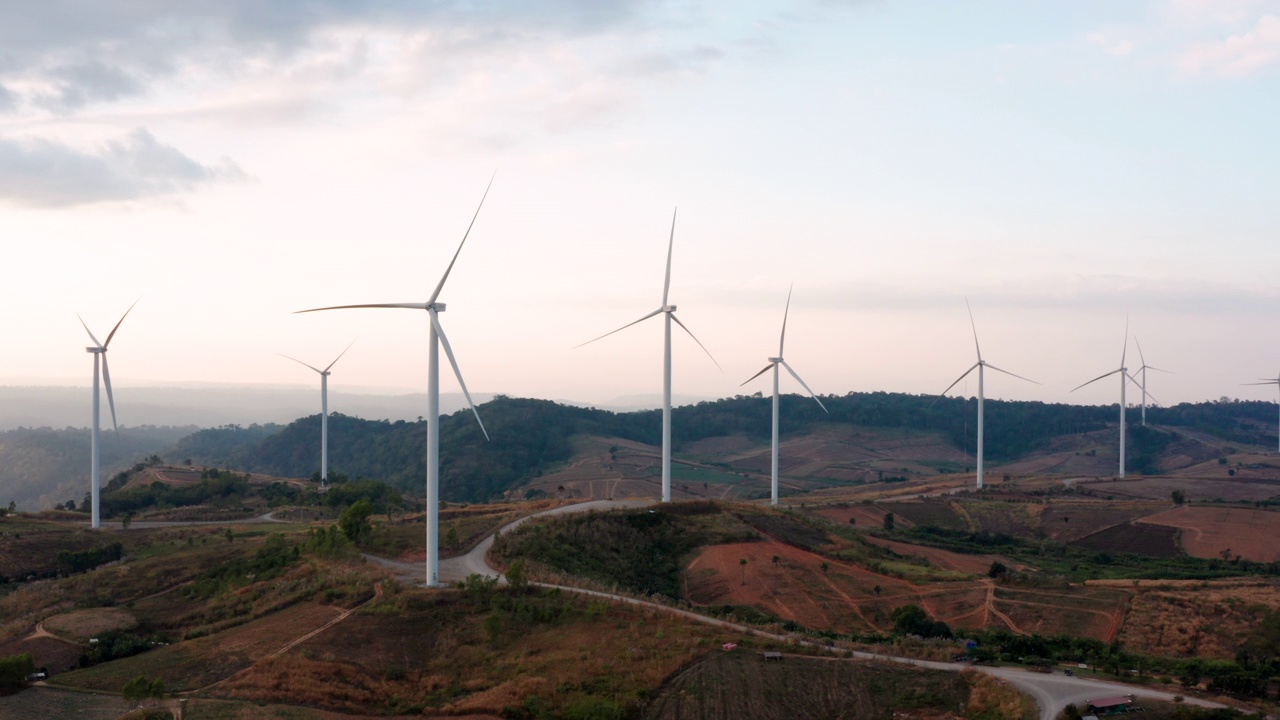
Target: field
pixel 1196 489
pixel 36 703
pixel 1069 520
pixel 1197 619
pixel 1225 532
pixel 1138 538
pixel 741 684
pixel 846 597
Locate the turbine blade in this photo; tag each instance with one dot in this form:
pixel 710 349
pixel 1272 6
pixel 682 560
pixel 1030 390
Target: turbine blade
pixel 666 284
pixel 112 334
pixel 624 327
pixel 448 351
pixel 806 387
pixel 86 329
pixel 344 352
pixel 1269 382
pixel 1125 351
pixel 1141 357
pixel 111 402
pixel 313 367
pixel 1006 372
pixel 695 339
pixel 1149 367
pixel 766 369
pixel 1113 372
pixel 957 382
pixel 456 253
pixel 783 338
pixel 974 325
pixel 408 306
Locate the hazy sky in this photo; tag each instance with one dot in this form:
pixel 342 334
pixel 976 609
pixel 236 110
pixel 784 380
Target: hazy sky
pixel 1061 164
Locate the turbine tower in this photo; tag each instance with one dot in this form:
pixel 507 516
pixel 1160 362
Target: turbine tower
pixel 1125 379
pixel 1270 381
pixel 981 367
pixel 435 339
pixel 774 362
pixel 1145 367
pixel 324 411
pixel 669 314
pixel 99 351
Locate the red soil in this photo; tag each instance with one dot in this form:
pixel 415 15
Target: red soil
pixel 1209 532
pixel 864 516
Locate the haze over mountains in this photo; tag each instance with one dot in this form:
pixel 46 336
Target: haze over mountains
pixel 214 405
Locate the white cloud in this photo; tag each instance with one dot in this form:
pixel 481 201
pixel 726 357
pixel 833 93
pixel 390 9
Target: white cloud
pixel 1111 43
pixel 1237 55
pixel 45 173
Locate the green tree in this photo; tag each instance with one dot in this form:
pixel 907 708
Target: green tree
pixel 451 536
pixel 354 521
pixel 126 520
pixel 743 564
pixel 1179 497
pixel 137 689
pixel 997 569
pixel 14 671
pixel 515 575
pixel 888 522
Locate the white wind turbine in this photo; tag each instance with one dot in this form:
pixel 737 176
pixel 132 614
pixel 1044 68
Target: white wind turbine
pixel 324 411
pixel 774 362
pixel 1125 379
pixel 669 314
pixel 981 367
pixel 99 351
pixel 1145 367
pixel 1269 381
pixel 436 338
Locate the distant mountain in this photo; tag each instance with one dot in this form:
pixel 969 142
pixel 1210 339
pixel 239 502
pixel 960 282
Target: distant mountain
pixel 42 467
pixel 529 437
pixel 206 405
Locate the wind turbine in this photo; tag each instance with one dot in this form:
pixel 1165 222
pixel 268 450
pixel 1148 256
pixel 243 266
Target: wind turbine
pixel 1125 379
pixel 436 338
pixel 99 351
pixel 1269 381
pixel 981 367
pixel 774 362
pixel 1145 367
pixel 324 411
pixel 669 314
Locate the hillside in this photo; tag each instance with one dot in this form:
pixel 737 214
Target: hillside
pixel 544 448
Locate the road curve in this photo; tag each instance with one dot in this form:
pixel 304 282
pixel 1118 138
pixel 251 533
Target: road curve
pixel 1051 691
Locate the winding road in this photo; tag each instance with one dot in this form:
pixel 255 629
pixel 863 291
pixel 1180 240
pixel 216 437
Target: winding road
pixel 1051 691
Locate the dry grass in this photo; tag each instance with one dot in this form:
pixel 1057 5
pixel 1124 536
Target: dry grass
pixel 1201 619
pixel 80 625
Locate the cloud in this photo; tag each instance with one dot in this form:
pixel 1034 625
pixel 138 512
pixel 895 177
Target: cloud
pixel 1239 54
pixel 1111 43
pixel 44 173
pixel 68 54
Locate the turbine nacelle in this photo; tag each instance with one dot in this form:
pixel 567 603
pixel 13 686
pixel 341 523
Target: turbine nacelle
pixel 668 308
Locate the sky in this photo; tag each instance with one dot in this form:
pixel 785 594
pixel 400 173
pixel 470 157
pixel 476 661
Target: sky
pixel 1069 168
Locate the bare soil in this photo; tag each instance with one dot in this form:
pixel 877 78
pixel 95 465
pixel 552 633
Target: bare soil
pixel 1225 532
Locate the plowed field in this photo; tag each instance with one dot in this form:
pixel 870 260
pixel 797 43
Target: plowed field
pixel 1209 532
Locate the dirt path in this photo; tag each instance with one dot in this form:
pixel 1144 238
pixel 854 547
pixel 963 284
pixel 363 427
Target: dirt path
pixel 40 632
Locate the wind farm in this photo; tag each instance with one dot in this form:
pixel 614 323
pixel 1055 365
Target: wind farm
pixel 604 525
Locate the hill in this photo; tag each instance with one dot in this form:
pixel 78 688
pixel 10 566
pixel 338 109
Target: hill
pixel 867 437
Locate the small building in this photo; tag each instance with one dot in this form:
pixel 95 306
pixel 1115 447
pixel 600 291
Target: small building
pixel 773 656
pixel 1116 705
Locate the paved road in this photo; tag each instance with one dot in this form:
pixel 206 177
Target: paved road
pixel 1051 691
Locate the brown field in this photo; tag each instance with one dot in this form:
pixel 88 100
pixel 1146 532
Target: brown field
pixel 1190 618
pixel 1018 519
pixel 864 516
pixel 195 663
pixel 844 598
pixel 937 512
pixel 1068 521
pixel 46 651
pixel 1209 532
pixel 43 702
pixel 181 475
pixel 80 625
pixel 1196 489
pixel 943 559
pixel 442 654
pixel 740 684
pixel 1151 540
pixel 206 709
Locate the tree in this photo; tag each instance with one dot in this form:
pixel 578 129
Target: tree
pixel 137 689
pixel 743 564
pixel 1179 497
pixel 126 520
pixel 229 535
pixel 354 521
pixel 776 559
pixel 451 536
pixel 824 567
pixel 997 569
pixel 515 575
pixel 888 522
pixel 853 520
